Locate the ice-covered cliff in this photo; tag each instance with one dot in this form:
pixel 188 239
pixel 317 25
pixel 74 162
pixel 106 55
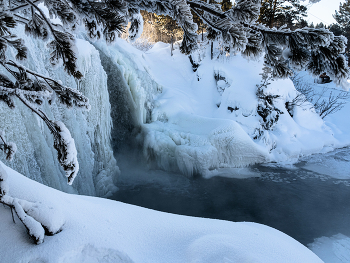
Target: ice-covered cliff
pixel 36 157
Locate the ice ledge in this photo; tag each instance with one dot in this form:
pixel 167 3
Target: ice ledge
pixel 192 145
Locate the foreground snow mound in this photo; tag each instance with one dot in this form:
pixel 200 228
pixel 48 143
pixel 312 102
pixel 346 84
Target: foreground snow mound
pixel 100 230
pixel 195 145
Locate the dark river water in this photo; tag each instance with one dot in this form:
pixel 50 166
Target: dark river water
pixel 301 200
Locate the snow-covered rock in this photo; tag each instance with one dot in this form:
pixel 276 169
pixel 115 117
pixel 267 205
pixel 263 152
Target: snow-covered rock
pixel 195 145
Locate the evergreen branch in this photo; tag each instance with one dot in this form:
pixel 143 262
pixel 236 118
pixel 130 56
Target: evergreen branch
pixel 204 19
pixel 67 96
pixel 21 19
pixel 20 7
pixel 10 150
pixel 38 112
pixel 207 8
pixel 62 46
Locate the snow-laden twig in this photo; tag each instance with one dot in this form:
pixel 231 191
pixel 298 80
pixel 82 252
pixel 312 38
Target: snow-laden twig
pixel 37 218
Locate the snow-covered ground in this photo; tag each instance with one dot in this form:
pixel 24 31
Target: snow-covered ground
pixel 101 230
pixel 335 249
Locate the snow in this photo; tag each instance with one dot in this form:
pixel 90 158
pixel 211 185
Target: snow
pixel 136 29
pixel 190 122
pixel 334 164
pixel 194 145
pixel 335 249
pixel 69 154
pixel 34 227
pixel 101 230
pixel 338 121
pixel 222 92
pixel 201 122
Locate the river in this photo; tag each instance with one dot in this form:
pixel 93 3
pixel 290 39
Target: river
pixel 303 200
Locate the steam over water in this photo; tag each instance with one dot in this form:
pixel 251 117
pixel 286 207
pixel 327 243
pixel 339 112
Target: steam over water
pixel 299 201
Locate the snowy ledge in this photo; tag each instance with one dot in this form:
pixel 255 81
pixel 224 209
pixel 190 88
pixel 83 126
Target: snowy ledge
pixel 101 230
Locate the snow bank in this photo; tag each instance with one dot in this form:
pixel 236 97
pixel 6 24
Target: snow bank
pixel 335 249
pixel 100 230
pixel 36 157
pixel 335 164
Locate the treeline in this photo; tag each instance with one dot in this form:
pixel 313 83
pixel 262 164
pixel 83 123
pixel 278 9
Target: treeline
pixel 273 13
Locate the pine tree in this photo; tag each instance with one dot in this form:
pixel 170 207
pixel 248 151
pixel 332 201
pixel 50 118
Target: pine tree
pixel 168 26
pixel 343 21
pixel 320 25
pixel 226 5
pixel 316 50
pixel 276 13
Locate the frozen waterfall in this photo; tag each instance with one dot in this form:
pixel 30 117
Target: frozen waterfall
pixel 36 157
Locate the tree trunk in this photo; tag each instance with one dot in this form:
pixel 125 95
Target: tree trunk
pixel 273 13
pixel 172 38
pixel 211 50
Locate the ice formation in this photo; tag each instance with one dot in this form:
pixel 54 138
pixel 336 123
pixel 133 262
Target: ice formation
pixel 196 145
pixel 207 118
pixel 131 89
pixel 36 157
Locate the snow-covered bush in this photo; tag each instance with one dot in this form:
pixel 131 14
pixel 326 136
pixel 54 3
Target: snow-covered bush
pixel 323 100
pixel 266 108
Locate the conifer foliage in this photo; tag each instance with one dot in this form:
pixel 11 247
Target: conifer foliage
pixel 316 50
pixel 274 13
pixel 343 23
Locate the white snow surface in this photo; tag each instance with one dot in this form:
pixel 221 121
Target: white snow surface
pixel 101 230
pixel 334 249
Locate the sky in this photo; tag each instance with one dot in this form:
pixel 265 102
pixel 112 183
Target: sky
pixel 323 11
